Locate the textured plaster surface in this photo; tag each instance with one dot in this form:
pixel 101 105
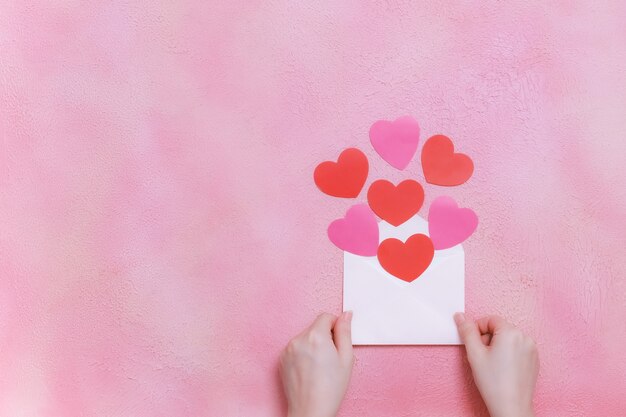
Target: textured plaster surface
pixel 161 238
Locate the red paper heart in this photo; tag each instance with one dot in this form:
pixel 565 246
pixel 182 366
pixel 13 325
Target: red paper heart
pixel 441 165
pixel 395 204
pixel 344 178
pixel 406 260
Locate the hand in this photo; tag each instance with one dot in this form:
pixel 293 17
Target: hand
pixel 316 366
pixel 504 363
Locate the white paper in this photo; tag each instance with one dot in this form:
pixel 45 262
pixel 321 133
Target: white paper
pixel 390 311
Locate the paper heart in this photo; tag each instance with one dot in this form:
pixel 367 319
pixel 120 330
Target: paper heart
pixel 344 178
pixel 395 204
pixel 396 142
pixel 357 232
pixel 449 225
pixel 441 165
pixel 406 260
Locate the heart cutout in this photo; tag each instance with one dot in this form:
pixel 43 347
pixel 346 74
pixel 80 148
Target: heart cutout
pixel 442 166
pixel 396 142
pixel 344 178
pixel 357 232
pixel 406 260
pixel 395 204
pixel 449 225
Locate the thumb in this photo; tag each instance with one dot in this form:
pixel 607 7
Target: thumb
pixel 470 336
pixel 342 336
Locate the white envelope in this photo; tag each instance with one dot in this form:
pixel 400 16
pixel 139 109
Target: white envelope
pixel 390 311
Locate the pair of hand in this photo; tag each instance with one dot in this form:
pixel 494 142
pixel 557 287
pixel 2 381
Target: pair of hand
pixel 316 365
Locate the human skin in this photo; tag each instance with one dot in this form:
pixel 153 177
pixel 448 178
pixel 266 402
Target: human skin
pixel 504 363
pixel 316 365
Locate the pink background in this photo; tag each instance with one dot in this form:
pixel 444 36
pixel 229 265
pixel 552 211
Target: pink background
pixel 161 238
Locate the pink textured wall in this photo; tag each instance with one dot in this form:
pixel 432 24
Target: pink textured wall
pixel 161 237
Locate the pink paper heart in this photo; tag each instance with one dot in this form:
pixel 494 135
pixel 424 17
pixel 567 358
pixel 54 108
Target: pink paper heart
pixel 396 142
pixel 449 225
pixel 357 232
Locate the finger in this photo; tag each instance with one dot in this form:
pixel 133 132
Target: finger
pixel 470 336
pixel 342 335
pixel 486 339
pixel 324 323
pixel 492 324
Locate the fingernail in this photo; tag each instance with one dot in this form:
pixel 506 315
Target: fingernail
pixel 459 318
pixel 348 315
